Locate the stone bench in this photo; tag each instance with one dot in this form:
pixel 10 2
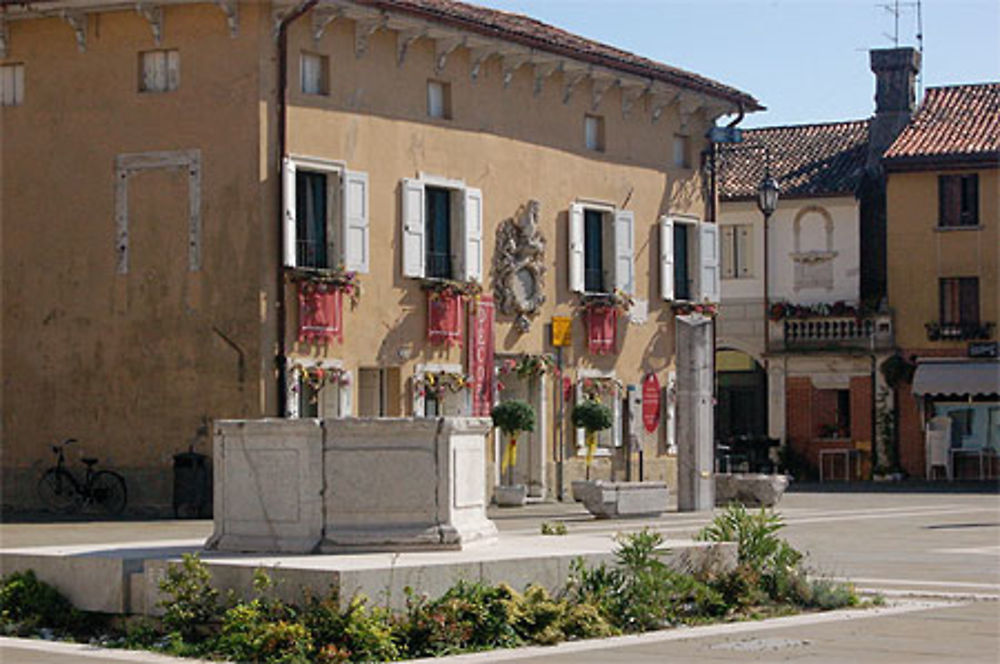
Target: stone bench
pixel 750 489
pixel 608 500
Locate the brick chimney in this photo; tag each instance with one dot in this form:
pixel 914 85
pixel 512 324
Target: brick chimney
pixel 895 97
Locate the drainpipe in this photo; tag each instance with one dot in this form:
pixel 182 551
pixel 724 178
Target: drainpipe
pixel 282 103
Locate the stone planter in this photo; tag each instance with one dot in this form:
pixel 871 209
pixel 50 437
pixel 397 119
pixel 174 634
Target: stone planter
pixel 750 489
pixel 607 500
pixel 510 495
pixel 580 487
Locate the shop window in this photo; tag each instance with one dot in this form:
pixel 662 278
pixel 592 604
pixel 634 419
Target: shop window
pixel 958 200
pixel 689 260
pixel 442 230
pixel 959 301
pixel 11 85
pixel 314 70
pixel 318 391
pixel 326 215
pixel 737 251
pixel 159 71
pixel 439 100
pixel 378 392
pixel 601 246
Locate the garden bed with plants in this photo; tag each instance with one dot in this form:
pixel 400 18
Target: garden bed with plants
pixel 635 594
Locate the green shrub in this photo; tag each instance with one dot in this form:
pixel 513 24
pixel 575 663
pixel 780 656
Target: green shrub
pixel 26 604
pixel 640 592
pixel 828 594
pixel 252 632
pixel 514 416
pixel 555 528
pixel 353 634
pixel 592 415
pixel 190 602
pixel 469 616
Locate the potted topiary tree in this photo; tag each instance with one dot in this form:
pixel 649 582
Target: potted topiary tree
pixel 512 418
pixel 592 416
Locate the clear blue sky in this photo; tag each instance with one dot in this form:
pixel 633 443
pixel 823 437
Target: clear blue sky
pixel 805 60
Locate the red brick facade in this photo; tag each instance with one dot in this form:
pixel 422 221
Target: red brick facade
pixel 814 424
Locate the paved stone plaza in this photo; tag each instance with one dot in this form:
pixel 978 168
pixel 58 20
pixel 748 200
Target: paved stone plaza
pixel 937 553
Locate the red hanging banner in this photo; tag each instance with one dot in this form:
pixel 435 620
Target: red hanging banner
pixel 444 318
pixel 602 329
pixel 321 313
pixel 651 402
pixel 480 358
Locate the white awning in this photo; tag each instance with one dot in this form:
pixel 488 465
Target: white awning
pixel 957 377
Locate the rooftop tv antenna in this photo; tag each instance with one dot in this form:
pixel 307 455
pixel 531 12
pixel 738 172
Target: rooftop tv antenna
pixel 896 9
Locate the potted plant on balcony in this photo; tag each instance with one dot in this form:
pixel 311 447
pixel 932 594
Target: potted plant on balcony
pixel 512 418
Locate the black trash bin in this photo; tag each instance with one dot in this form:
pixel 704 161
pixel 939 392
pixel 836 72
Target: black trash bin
pixel 192 486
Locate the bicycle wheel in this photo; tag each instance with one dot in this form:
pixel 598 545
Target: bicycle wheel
pixel 108 491
pixel 58 492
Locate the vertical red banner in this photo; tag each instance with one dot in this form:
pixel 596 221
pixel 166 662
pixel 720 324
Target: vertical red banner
pixel 444 319
pixel 321 311
pixel 480 356
pixel 602 330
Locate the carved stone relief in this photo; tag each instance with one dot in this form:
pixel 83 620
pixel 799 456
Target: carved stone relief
pixel 519 266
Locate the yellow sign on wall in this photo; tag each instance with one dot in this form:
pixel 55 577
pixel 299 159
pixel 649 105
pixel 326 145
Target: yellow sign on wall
pixel 562 331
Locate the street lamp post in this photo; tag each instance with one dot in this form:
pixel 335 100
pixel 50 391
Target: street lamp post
pixel 767 202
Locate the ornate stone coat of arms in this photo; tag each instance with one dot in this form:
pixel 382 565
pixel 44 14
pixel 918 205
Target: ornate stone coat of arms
pixel 519 266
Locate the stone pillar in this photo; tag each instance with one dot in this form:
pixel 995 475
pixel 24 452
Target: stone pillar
pixel 776 400
pixel 695 414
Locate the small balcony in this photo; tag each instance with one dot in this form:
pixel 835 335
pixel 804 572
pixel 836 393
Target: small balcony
pixel 959 331
pixel 825 333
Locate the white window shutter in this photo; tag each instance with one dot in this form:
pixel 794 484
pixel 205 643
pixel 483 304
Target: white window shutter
pixel 616 419
pixel 472 234
pixel 173 70
pixel 355 231
pixel 293 385
pixel 708 267
pixel 666 258
pixel 744 250
pixel 728 256
pixel 288 195
pixel 418 398
pixel 576 248
pixel 625 251
pixel 344 395
pixel 413 228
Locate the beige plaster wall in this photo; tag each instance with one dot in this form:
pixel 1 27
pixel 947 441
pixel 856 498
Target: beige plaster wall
pixel 515 146
pixel 919 254
pixel 129 364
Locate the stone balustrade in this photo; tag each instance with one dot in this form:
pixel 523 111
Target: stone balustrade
pixel 832 332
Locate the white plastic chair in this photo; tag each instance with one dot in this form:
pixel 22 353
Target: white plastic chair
pixel 938 445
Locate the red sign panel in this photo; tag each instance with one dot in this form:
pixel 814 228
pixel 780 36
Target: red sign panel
pixel 481 355
pixel 651 402
pixel 320 313
pixel 444 319
pixel 602 328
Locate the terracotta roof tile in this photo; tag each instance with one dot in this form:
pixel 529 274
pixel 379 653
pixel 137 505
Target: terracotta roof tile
pixel 807 160
pixel 533 33
pixel 953 123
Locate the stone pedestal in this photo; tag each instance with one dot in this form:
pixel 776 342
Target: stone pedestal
pixel 350 484
pixel 695 413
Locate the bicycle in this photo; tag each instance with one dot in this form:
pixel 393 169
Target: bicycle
pixel 60 490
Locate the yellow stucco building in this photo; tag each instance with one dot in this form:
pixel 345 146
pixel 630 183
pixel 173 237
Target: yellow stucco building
pixel 247 209
pixel 943 201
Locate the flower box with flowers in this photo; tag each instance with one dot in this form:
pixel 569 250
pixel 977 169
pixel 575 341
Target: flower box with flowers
pixel 438 384
pixel 709 309
pixel 528 366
